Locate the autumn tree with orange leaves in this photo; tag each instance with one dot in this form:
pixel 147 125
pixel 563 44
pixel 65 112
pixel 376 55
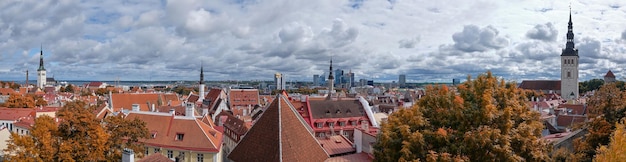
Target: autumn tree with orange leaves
pixel 79 136
pixel 486 119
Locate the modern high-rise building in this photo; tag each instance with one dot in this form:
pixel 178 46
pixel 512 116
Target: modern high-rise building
pixel 316 80
pixel 569 65
pixel 402 80
pixel 280 81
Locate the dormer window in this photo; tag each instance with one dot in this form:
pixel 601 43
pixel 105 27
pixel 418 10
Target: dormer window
pixel 179 136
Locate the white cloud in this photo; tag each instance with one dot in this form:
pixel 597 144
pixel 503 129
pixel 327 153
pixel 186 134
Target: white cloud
pixel 427 40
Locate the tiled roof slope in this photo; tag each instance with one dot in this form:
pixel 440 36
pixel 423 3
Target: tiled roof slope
pixel 280 134
pixel 610 74
pixel 198 136
pixel 322 109
pixel 126 100
pixel 541 84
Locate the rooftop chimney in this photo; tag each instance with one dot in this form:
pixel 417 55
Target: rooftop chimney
pixel 189 110
pixel 205 111
pixel 172 111
pixel 128 155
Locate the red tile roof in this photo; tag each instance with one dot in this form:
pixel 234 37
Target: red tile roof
pixel 14 114
pixel 280 134
pixel 213 94
pixel 609 74
pixel 576 109
pixel 238 126
pixel 193 98
pixel 126 100
pixel 197 135
pixel 352 157
pixel 6 91
pixel 337 144
pixel 541 85
pixel 569 120
pixel 243 97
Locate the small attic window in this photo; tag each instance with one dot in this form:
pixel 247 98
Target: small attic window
pixel 348 111
pixel 153 134
pixel 338 111
pixel 327 112
pixel 179 136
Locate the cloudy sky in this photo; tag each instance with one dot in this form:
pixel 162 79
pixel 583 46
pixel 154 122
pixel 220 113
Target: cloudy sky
pixel 253 39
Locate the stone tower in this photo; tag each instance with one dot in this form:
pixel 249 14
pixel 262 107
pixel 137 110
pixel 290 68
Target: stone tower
pixel 41 72
pixel 569 66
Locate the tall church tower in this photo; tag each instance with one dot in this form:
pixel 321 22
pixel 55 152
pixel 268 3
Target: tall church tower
pixel 331 80
pixel 569 66
pixel 41 72
pixel 201 84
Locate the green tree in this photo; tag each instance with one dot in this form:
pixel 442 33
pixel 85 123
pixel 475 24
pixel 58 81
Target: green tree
pixel 590 85
pixel 69 88
pixel 485 120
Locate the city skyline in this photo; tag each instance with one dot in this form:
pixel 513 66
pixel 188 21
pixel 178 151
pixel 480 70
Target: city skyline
pixel 251 40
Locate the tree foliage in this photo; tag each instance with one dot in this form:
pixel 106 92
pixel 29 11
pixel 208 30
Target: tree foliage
pixel 79 136
pixel 17 100
pixel 124 134
pixel 485 120
pixel 606 107
pixel 590 85
pixel 616 149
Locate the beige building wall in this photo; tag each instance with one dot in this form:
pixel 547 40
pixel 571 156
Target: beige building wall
pixel 4 136
pixel 190 156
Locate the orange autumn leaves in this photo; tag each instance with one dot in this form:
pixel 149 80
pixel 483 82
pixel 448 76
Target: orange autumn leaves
pixel 484 119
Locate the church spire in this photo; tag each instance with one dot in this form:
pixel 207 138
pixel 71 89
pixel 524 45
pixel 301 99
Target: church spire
pixel 570 49
pixel 41 59
pixel 330 76
pixel 201 73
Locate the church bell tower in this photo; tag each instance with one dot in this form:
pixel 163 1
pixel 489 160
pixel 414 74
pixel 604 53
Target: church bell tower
pixel 569 66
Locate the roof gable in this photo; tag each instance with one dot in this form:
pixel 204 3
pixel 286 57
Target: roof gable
pixel 280 134
pixel 609 74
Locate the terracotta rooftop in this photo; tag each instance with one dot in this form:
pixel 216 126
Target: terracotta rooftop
pixel 609 74
pixel 236 125
pixel 336 145
pixel 352 157
pixel 322 109
pixel 193 98
pixel 126 100
pixel 280 134
pixel 213 94
pixel 165 129
pixel 13 114
pixel 541 84
pixel 569 120
pixel 6 91
pixel 576 109
pixel 243 97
